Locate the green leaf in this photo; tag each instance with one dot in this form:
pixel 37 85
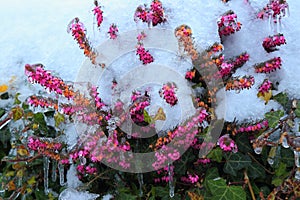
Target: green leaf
pixel 273 117
pixel 221 191
pixel 287 157
pixel 40 120
pixel 281 98
pixel 2 112
pixel 17 101
pixel 256 171
pixel 210 174
pixel 281 170
pixel 235 162
pixel 277 181
pixel 297 111
pixel 25 106
pixel 4 95
pixel 17 113
pixel 58 118
pixel 242 141
pixel 147 117
pixel 215 154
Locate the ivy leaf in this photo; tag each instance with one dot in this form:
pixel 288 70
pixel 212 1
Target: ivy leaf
pixel 243 143
pixel 210 174
pixel 221 191
pixel 256 171
pixel 235 162
pixel 297 111
pixel 17 113
pixel 281 170
pixel 215 154
pixel 4 96
pixel 273 117
pixel 281 98
pixel 17 100
pixel 58 118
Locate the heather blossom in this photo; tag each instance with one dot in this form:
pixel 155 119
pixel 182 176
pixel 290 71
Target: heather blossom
pixel 270 43
pixel 113 30
pixel 227 144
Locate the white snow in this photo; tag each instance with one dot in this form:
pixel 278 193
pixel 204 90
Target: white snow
pixel 34 31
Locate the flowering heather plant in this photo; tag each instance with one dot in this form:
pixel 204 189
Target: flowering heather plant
pixel 168 93
pixel 40 101
pixel 238 84
pixel 137 110
pixel 98 13
pixel 113 31
pixel 37 74
pixel 265 87
pixel 270 43
pixel 246 128
pixel 184 35
pixel 143 54
pixel 228 24
pixel 79 34
pixel 275 9
pixel 268 66
pixel 154 14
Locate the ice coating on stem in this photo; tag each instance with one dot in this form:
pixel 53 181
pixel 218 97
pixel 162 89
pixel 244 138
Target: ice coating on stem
pixel 46 162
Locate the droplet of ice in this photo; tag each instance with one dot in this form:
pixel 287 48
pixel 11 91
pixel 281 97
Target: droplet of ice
pixel 258 150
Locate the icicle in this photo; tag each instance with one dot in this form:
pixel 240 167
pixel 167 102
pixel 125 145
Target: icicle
pixel 171 180
pixel 46 162
pixel 141 182
pixel 297 158
pixel 271 156
pixel 61 171
pixel 54 166
pixel 285 143
pixel 258 150
pixel 297 174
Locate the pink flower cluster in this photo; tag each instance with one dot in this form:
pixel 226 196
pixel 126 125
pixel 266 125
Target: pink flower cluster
pixel 265 87
pixel 240 83
pixel 37 145
pixel 240 60
pixel 275 9
pixel 190 179
pixel 190 74
pixel 140 102
pixel 98 13
pixel 164 172
pixel 203 161
pixel 95 94
pixel 113 30
pixel 225 69
pixel 271 42
pixel 42 102
pixel 83 170
pixel 78 32
pixel 269 65
pixel 144 54
pixel 227 144
pixel 37 74
pixel 155 14
pixel 168 93
pixel 228 24
pixel 254 127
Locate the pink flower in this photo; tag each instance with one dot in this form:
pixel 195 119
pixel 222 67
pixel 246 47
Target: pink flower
pixel 227 144
pixel 98 13
pixel 113 30
pixel 168 93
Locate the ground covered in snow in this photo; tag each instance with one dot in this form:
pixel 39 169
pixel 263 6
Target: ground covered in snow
pixel 35 31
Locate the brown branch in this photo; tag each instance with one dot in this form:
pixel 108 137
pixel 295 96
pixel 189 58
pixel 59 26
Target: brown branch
pixel 249 185
pixel 252 157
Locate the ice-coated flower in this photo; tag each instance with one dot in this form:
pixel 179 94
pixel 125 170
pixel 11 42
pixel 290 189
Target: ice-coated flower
pixel 227 144
pixel 113 31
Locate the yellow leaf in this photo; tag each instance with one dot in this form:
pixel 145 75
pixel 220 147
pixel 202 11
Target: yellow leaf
pixel 160 115
pixel 11 186
pixel 194 196
pixel 13 78
pixel 31 181
pixel 22 151
pixel 3 88
pixel 28 190
pixel 10 173
pixel 265 96
pixel 20 173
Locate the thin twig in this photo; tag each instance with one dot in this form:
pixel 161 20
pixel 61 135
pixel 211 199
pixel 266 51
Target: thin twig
pixel 249 185
pixel 252 157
